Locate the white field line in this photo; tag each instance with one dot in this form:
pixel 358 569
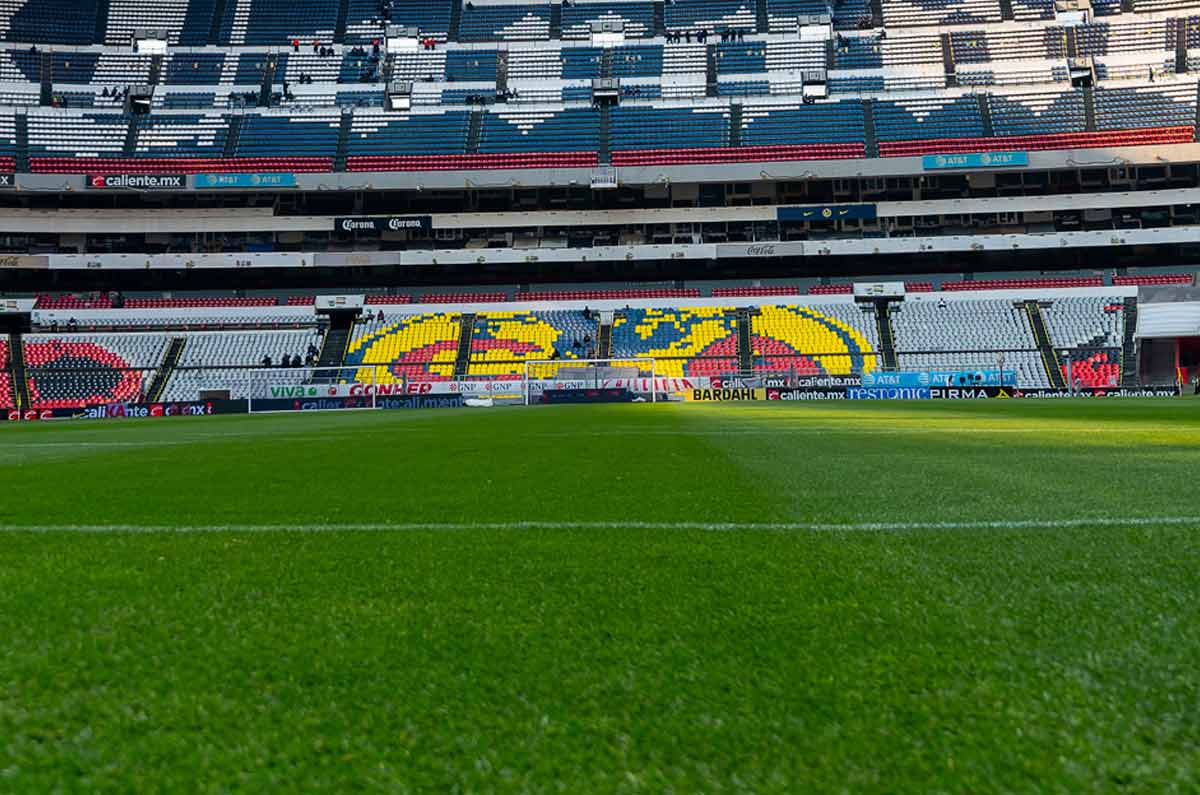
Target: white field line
pixel 833 430
pixel 811 527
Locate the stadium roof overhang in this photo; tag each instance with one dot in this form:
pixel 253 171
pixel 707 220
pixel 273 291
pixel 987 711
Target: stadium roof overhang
pixel 1172 319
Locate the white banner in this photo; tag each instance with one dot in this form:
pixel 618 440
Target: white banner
pixel 637 385
pixel 492 388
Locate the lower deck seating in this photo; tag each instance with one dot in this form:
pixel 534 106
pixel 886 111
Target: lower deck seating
pixel 819 339
pixel 1094 370
pixel 75 370
pixel 391 347
pixel 109 361
pixel 1085 323
pixel 683 341
pixel 502 342
pixel 233 361
pixel 971 333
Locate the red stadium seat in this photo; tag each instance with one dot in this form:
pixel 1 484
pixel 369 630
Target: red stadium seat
pixel 176 165
pixel 1084 140
pixel 472 162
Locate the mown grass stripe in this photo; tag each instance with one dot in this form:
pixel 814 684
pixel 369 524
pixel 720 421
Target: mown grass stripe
pixel 816 527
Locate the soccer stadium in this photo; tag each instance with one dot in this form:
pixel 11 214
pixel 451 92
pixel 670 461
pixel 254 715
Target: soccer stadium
pixel 613 396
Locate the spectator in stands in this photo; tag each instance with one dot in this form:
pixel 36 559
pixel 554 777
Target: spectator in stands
pixel 296 361
pixel 266 360
pixel 72 324
pixel 941 303
pixel 295 45
pixel 316 48
pixel 312 350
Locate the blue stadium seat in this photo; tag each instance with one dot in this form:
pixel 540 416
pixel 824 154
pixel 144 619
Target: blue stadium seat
pixel 409 134
pixel 181 135
pixel 524 22
pixel 186 22
pixel 73 67
pixel 312 135
pixel 857 52
pixel 1038 113
pixel 516 130
pixel 637 61
pixel 430 17
pixel 251 67
pixel 741 58
pixel 907 120
pixel 278 22
pixel 193 68
pixel 743 88
pixel 668 128
pixel 1168 105
pixel 638 18
pixel 49 21
pixel 714 15
pixel 471 65
pixel 823 122
pixel 581 63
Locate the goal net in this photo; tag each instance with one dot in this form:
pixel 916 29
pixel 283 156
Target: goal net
pixel 637 375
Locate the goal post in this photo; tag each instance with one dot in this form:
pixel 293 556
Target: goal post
pixel 639 375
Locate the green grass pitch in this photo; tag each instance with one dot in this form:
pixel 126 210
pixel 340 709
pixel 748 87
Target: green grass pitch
pixel 927 598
